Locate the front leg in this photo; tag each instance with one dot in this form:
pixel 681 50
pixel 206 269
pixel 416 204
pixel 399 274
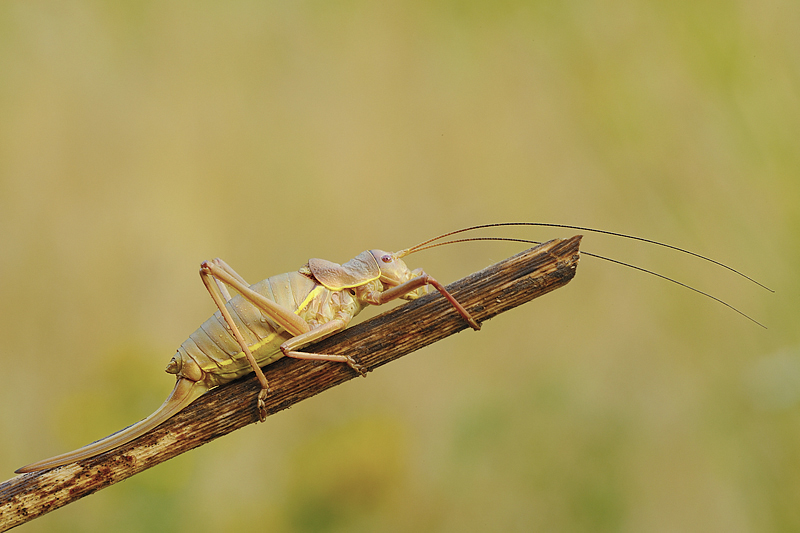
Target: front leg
pixel 421 291
pixel 379 298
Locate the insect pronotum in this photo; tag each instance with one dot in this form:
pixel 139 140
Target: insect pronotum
pixel 283 314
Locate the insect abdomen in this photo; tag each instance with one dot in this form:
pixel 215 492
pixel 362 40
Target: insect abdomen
pixel 212 354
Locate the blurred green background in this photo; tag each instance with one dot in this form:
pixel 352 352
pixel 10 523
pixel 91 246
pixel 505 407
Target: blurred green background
pixel 139 138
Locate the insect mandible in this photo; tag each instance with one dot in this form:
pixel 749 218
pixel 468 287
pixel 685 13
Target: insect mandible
pixel 281 315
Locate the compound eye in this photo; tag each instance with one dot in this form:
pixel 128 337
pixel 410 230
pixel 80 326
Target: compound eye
pixel 386 258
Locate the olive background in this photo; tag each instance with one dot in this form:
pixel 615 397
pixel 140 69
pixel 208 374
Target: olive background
pixel 138 139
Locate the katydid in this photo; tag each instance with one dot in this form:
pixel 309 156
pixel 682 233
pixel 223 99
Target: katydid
pixel 281 315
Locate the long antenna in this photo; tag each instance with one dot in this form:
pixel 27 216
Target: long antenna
pixel 423 245
pixel 428 244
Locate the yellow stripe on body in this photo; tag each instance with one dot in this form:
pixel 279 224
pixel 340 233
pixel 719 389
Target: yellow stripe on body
pixel 311 295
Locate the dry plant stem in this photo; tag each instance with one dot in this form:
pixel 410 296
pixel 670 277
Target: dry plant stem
pixel 373 343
